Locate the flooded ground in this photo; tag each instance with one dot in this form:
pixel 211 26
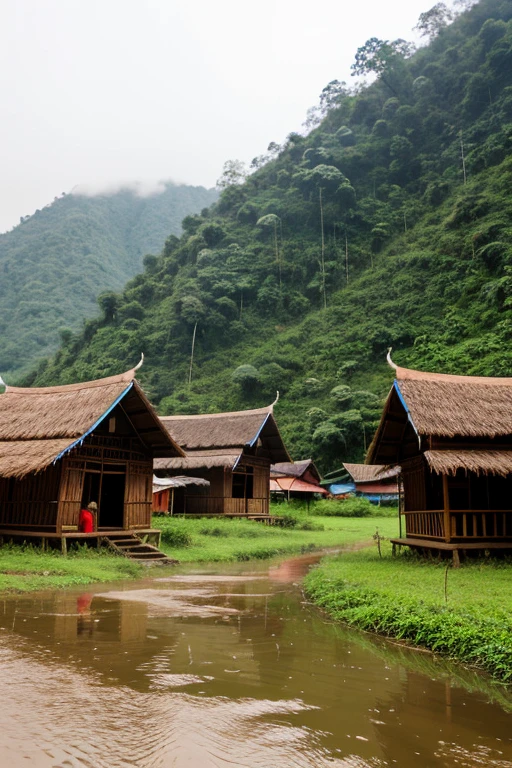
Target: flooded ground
pixel 227 666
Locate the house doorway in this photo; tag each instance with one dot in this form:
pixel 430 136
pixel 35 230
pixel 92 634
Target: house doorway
pixel 111 507
pixel 106 486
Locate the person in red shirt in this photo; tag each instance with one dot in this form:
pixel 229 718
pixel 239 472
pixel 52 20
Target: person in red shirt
pixel 86 520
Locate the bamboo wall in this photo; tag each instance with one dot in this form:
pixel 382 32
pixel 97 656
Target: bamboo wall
pixel 30 503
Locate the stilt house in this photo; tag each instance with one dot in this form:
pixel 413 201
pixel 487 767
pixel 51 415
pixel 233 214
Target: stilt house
pixel 452 437
pixel 377 483
pixel 296 479
pixel 62 447
pixel 233 451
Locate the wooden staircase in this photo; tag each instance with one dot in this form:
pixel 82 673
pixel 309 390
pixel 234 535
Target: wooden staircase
pixel 129 545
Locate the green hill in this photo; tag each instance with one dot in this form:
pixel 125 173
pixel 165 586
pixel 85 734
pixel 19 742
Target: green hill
pixel 388 225
pixel 54 264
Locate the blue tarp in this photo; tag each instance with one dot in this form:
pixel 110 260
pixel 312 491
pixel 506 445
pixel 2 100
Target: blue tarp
pixel 338 488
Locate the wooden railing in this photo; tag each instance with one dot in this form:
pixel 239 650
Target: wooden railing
pixel 218 505
pixel 465 524
pixel 425 525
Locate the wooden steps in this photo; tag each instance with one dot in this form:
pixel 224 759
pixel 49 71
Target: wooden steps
pixel 129 545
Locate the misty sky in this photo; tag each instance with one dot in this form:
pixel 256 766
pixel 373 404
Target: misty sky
pixel 97 92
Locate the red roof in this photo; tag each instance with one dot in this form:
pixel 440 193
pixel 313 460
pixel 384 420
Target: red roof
pixel 295 485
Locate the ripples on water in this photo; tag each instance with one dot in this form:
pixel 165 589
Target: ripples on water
pixel 228 670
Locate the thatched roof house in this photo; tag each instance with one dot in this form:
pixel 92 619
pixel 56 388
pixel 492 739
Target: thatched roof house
pixel 233 451
pixel 298 479
pixel 63 446
pixel 452 436
pixel 376 482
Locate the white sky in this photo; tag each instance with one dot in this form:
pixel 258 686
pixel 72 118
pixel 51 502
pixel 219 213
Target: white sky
pixel 97 92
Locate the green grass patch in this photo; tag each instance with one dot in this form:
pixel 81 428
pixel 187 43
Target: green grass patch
pixel 219 540
pixel 351 507
pixel 27 568
pixel 462 613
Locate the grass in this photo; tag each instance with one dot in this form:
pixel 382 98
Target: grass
pixel 218 540
pixel 462 613
pixel 27 568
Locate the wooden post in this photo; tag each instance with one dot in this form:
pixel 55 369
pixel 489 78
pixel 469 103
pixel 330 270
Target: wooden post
pixel 446 500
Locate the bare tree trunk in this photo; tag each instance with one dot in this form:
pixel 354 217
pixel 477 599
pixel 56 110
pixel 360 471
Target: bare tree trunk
pixel 192 355
pixel 463 158
pixel 322 252
pixel 346 256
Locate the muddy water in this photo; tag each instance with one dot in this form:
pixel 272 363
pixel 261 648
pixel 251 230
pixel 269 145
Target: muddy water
pixel 228 667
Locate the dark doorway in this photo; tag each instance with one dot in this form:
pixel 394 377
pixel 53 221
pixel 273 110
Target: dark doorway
pixel 92 486
pixel 111 507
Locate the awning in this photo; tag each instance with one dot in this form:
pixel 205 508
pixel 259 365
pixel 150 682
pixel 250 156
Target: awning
pixel 164 483
pixel 294 485
pixel 479 462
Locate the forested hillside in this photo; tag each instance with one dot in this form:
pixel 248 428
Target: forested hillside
pixel 389 224
pixel 54 264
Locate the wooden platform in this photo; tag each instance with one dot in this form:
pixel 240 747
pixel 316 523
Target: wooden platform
pixel 51 538
pixel 451 546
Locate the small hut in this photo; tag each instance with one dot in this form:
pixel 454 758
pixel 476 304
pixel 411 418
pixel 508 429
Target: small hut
pixel 62 447
pixel 165 488
pixel 233 451
pixel 377 483
pixel 452 437
pixel 296 479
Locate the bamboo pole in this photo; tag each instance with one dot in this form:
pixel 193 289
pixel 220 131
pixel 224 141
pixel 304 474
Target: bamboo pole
pixel 446 505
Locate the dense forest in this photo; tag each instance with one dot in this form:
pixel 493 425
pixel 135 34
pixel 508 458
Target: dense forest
pixel 386 223
pixel 54 263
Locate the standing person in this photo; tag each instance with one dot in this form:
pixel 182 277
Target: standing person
pixel 86 520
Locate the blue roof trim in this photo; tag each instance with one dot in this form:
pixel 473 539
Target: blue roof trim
pixel 258 433
pixel 254 440
pixel 406 409
pixel 80 440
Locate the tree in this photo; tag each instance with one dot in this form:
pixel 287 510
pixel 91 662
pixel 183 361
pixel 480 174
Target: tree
pixel 380 57
pixel 234 173
pixel 430 23
pixel 108 303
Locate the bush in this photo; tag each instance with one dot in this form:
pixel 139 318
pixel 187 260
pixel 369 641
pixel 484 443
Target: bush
pixel 175 537
pixel 354 507
pixel 215 531
pixel 289 521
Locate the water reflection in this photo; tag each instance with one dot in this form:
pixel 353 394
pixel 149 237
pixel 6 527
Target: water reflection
pixel 228 668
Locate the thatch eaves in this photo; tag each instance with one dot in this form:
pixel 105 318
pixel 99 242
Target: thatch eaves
pixel 477 461
pixel 40 425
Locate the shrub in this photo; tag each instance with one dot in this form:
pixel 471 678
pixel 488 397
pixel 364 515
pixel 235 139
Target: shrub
pixel 354 507
pixel 175 537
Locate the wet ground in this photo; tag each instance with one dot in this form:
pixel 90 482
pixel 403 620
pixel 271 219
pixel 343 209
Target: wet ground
pixel 227 666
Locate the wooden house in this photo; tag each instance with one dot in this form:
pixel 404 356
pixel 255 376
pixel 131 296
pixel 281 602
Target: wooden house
pixel 452 437
pixel 233 451
pixel 296 479
pixel 62 447
pixel 375 482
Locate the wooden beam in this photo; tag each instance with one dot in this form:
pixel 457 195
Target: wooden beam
pixel 446 503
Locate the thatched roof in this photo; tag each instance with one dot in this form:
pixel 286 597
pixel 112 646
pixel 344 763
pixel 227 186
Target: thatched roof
pixel 422 405
pixel 294 468
pixel 39 425
pixel 219 439
pixel 445 406
pixel 479 462
pixel 371 473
